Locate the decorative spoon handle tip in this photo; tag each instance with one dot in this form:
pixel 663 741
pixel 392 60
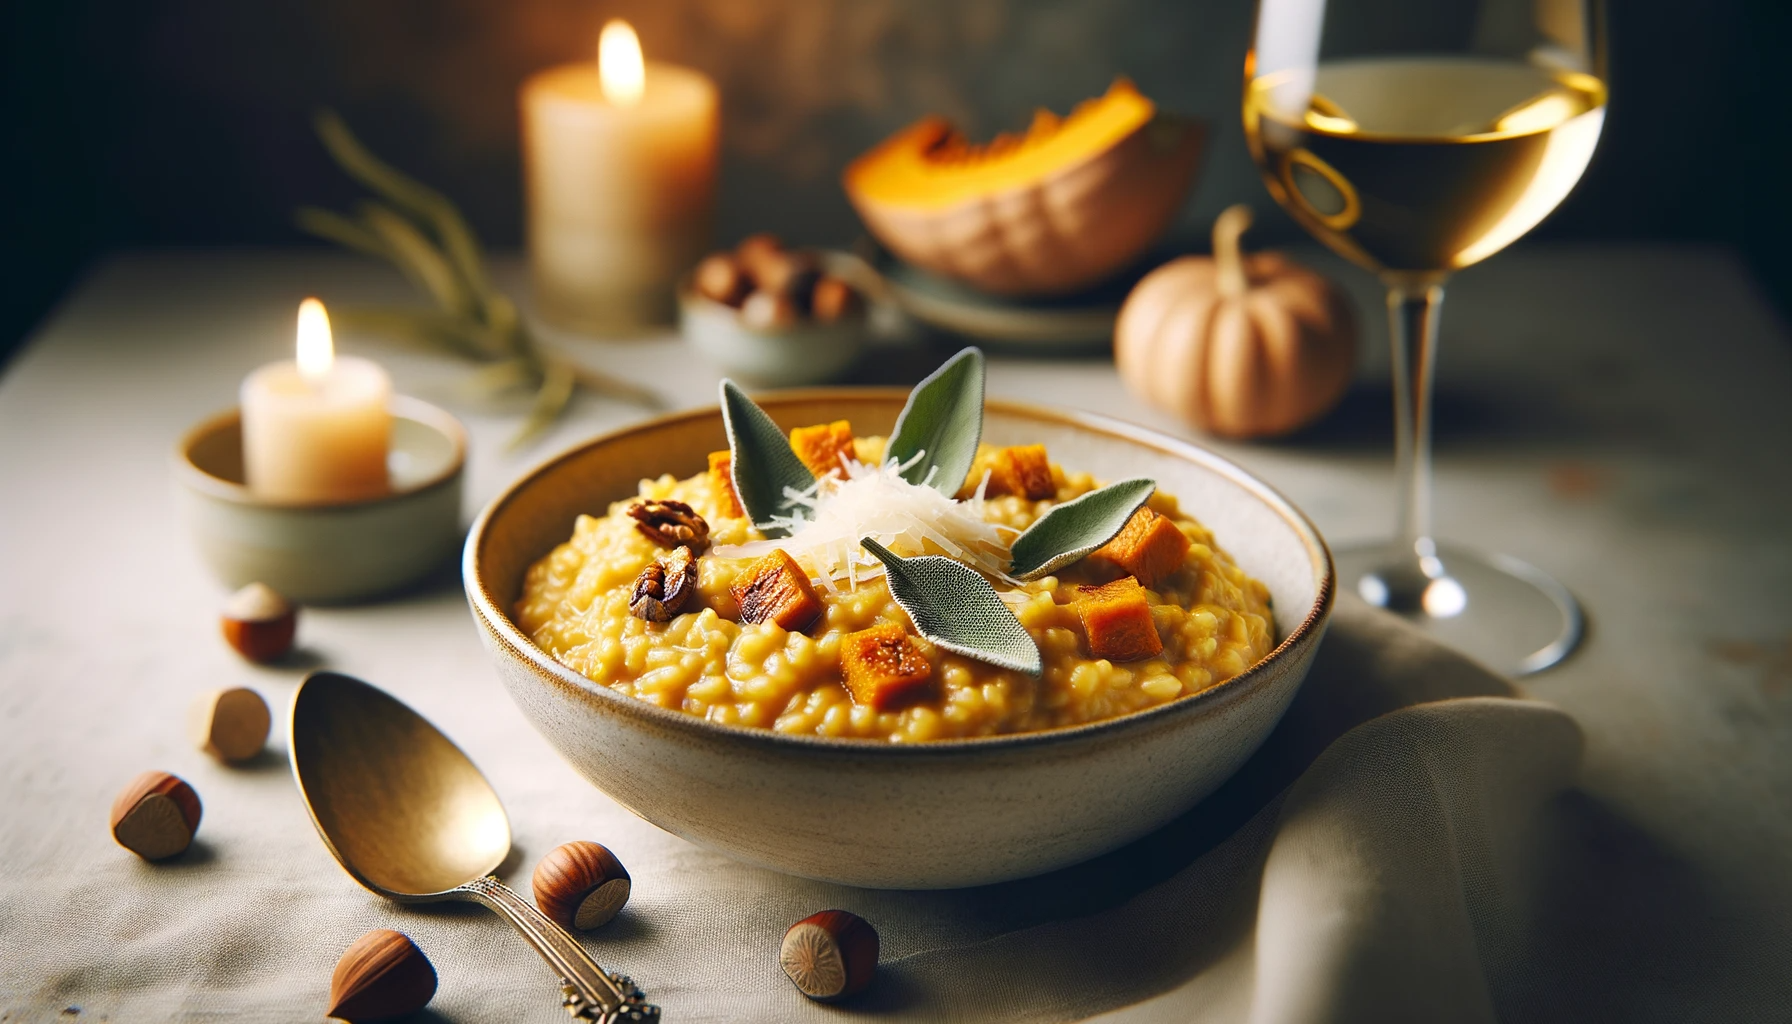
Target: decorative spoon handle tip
pixel 589 992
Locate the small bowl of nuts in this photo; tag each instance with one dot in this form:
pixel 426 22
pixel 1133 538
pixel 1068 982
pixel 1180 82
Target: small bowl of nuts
pixel 772 316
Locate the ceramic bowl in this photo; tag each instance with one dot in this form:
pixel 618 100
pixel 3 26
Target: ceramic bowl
pixel 803 353
pixel 327 553
pixel 936 815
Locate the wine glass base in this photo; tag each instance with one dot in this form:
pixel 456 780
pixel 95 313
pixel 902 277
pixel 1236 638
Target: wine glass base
pixel 1503 612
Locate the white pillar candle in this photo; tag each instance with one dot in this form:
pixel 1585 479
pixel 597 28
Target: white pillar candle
pixel 316 430
pixel 619 168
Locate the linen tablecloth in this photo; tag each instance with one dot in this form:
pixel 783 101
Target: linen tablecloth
pixel 1415 841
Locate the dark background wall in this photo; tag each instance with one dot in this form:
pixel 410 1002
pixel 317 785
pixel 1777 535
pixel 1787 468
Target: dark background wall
pixel 185 122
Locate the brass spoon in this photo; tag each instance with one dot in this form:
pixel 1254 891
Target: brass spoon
pixel 408 815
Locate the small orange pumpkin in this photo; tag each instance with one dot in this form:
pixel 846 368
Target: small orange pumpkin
pixel 1239 346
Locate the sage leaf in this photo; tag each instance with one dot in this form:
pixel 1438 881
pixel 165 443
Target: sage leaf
pixel 761 462
pixel 952 605
pixel 1075 528
pixel 942 422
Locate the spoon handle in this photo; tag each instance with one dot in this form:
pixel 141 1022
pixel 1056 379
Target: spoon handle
pixel 591 992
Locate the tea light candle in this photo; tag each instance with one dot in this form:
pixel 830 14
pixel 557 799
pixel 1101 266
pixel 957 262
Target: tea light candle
pixel 316 430
pixel 619 168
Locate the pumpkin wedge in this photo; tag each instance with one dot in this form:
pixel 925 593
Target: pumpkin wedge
pixel 1072 201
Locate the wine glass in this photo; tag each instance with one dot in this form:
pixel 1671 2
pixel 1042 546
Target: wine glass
pixel 1415 137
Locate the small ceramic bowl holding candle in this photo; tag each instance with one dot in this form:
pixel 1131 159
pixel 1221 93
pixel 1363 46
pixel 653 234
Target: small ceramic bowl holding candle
pixel 323 484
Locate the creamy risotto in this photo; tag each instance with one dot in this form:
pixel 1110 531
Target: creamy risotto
pixel 1158 613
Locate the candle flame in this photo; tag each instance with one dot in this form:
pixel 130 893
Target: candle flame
pixel 620 68
pixel 316 350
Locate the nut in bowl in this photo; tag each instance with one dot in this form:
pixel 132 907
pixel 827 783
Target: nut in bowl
pixel 775 317
pixel 881 800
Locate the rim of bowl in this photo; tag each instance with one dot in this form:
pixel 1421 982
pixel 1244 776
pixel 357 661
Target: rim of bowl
pixel 402 406
pixel 1318 553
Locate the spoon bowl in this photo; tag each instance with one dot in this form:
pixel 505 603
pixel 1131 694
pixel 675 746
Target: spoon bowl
pixel 410 817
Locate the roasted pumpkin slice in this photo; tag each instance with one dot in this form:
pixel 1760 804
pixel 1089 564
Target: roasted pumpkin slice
pixel 775 589
pixel 1070 202
pixel 884 668
pixel 1117 621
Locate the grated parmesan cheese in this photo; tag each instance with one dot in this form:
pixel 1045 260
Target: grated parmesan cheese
pixel 875 501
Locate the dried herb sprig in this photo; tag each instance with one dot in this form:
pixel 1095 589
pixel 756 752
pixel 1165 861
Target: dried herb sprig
pixel 422 233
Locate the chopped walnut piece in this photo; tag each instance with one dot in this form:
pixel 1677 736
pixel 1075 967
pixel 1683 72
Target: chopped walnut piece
pixel 664 587
pixel 670 524
pixel 775 589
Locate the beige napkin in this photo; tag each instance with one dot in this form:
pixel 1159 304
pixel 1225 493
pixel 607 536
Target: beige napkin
pixel 1382 858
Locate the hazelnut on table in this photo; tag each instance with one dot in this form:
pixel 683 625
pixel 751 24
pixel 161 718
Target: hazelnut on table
pixel 830 955
pixel 230 725
pixel 156 815
pixel 259 623
pixel 580 885
pixel 382 975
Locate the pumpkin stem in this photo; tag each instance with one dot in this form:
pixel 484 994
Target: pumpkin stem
pixel 1228 228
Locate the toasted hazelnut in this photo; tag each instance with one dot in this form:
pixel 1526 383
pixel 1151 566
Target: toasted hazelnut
pixel 259 623
pixel 768 311
pixel 580 885
pixel 830 955
pixel 833 300
pixel 230 725
pixel 156 815
pixel 381 975
pixel 791 274
pixel 755 251
pixel 721 279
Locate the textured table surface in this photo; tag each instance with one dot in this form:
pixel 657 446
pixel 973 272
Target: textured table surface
pixel 1620 417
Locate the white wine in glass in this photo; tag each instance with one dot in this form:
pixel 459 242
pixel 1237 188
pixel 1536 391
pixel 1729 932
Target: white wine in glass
pixel 1416 137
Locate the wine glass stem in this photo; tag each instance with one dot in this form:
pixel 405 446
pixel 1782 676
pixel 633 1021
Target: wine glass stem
pixel 1413 310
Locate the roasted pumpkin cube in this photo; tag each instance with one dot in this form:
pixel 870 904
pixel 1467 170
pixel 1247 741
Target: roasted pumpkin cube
pixel 776 589
pixel 1020 469
pixel 821 446
pixel 1149 547
pixel 721 467
pixel 885 669
pixel 1117 620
